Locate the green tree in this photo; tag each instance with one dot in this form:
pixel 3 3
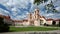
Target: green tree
pixel 39 1
pixel 3 26
pixel 49 7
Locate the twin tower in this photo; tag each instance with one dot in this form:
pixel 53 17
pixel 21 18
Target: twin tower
pixel 33 19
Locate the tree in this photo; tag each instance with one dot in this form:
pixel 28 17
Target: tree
pixel 49 7
pixel 39 1
pixel 3 26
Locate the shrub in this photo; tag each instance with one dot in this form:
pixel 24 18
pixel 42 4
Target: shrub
pixel 46 24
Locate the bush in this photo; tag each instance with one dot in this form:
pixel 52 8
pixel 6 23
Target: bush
pixel 46 24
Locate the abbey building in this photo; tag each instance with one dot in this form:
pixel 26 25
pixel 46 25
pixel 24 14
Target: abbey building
pixel 34 19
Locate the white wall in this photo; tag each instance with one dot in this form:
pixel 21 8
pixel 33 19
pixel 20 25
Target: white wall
pixel 49 22
pixel 37 22
pixel 26 23
pixel 57 22
pixel 18 24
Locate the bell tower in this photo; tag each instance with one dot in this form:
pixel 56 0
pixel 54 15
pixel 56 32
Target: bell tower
pixel 30 18
pixel 36 14
pixel 36 18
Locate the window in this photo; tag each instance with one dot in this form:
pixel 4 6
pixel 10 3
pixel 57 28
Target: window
pixel 41 21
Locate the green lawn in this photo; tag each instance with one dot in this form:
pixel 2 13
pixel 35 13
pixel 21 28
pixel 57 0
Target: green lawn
pixel 17 29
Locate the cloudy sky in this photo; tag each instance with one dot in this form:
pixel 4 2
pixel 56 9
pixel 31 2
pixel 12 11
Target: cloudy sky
pixel 19 9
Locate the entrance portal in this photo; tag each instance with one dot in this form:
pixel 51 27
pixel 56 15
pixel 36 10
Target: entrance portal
pixel 32 23
pixel 41 21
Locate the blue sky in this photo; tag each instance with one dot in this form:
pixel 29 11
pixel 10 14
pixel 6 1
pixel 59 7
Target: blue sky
pixel 19 9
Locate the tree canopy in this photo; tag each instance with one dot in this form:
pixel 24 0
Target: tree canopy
pixel 48 7
pixel 39 1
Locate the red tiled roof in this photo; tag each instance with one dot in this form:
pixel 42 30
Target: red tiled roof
pixel 17 20
pixel 6 17
pixel 1 16
pixel 42 17
pixel 20 21
pixel 25 20
pixel 57 20
pixel 49 19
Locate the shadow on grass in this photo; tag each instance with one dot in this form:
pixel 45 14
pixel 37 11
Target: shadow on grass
pixel 11 31
pixel 8 31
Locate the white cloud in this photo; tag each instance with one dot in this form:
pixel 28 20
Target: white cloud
pixel 47 14
pixel 3 1
pixel 10 3
pixel 4 12
pixel 31 1
pixel 14 9
pixel 27 13
pixel 57 3
pixel 50 14
pixel 13 5
pixel 58 8
pixel 19 17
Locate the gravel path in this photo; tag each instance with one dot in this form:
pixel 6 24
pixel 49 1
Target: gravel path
pixel 34 32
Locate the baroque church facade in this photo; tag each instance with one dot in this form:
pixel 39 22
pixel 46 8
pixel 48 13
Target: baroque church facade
pixel 35 19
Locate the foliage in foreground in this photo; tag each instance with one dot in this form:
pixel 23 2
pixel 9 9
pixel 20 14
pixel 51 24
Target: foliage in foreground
pixel 4 27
